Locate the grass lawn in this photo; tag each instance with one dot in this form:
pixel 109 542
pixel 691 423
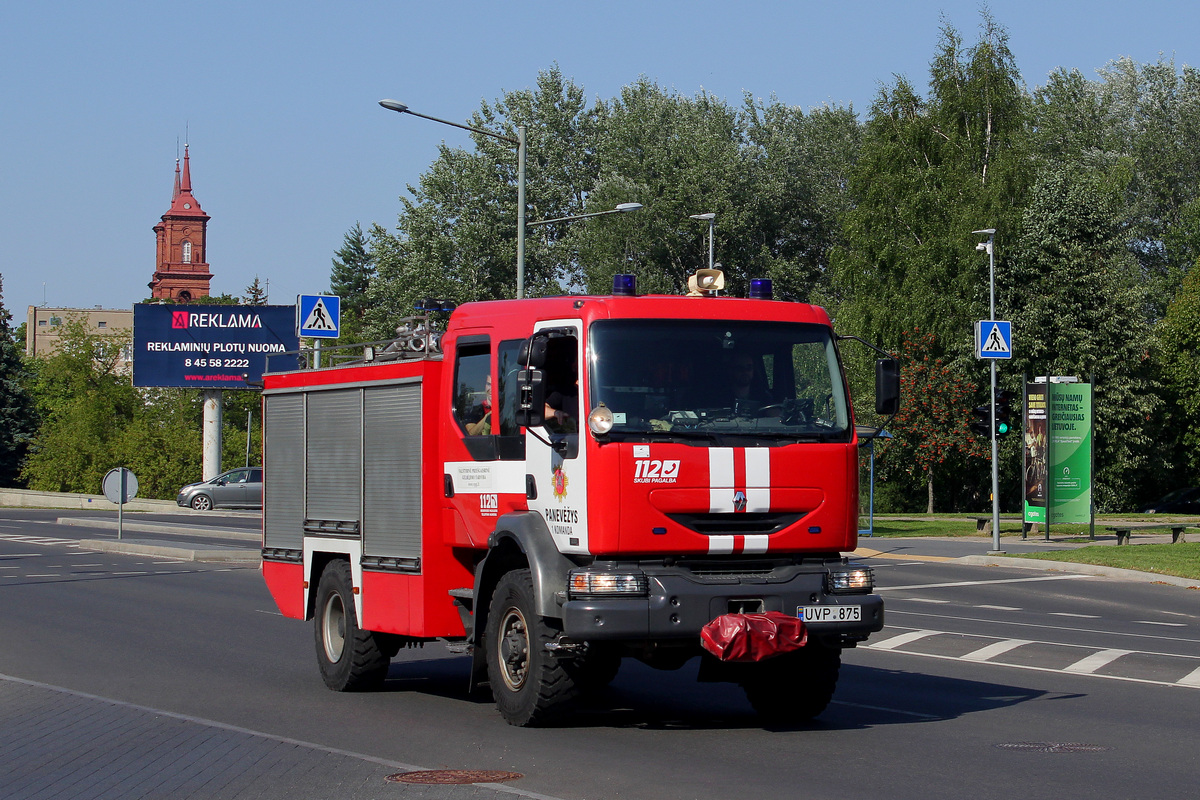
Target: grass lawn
pixel 1182 560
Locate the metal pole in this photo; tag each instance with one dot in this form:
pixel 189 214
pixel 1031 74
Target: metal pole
pixel 249 422
pixel 121 506
pixel 712 224
pixel 995 445
pixel 520 211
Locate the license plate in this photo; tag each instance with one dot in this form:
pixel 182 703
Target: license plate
pixel 815 614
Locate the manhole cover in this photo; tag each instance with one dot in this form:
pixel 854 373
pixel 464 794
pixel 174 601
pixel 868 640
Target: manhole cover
pixel 1053 747
pixel 454 776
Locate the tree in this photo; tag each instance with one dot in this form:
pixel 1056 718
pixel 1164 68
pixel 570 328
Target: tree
pixel 1179 344
pixel 1079 299
pixel 350 278
pixel 930 171
pixel 456 237
pixel 85 403
pixel 17 418
pixel 255 295
pixel 932 429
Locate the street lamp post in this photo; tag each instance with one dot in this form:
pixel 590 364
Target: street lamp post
pixel 988 246
pixel 620 209
pixel 711 219
pixel 400 108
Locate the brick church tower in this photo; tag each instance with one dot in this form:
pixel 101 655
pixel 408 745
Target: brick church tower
pixel 180 272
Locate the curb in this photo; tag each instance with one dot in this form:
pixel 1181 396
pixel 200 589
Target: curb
pixel 198 552
pixel 1085 569
pixel 164 527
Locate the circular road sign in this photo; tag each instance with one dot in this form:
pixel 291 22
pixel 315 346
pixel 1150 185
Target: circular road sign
pixel 112 485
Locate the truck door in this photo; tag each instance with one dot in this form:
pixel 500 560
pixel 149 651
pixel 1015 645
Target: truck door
pixel 555 458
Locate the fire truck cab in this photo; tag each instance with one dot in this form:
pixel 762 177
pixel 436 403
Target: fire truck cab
pixel 560 483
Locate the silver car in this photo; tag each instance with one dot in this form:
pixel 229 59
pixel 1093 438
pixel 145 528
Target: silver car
pixel 238 488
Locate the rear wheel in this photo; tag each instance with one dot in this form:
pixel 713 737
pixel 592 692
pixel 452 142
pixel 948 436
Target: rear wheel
pixel 350 658
pixel 529 683
pixel 794 687
pixel 202 502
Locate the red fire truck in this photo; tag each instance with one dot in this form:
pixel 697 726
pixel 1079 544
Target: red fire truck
pixel 560 483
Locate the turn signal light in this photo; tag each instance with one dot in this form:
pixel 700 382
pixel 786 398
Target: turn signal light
pixel 586 584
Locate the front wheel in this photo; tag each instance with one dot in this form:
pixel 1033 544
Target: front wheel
pixel 796 686
pixel 350 658
pixel 202 502
pixel 529 683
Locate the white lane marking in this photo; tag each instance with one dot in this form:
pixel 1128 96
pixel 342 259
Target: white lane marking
pixel 981 583
pixel 1076 616
pixel 47 575
pixel 1095 661
pixel 940 617
pixel 1166 624
pixel 224 726
pixel 994 649
pixel 923 600
pixel 1033 668
pixel 902 639
pixel 1191 679
pixel 1000 608
pixel 261 611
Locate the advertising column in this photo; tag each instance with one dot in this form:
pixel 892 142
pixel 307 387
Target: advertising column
pixel 1058 453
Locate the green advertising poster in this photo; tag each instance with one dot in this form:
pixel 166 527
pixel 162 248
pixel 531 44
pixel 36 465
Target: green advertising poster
pixel 1070 452
pixel 1058 452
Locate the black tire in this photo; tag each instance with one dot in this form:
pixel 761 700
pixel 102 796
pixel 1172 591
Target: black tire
pixel 529 684
pixel 202 502
pixel 350 658
pixel 794 687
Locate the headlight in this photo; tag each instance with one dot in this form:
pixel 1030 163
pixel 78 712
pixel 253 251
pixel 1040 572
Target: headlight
pixel 858 580
pixel 582 584
pixel 600 421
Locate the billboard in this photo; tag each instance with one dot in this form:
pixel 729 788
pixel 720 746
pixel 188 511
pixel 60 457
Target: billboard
pixel 210 347
pixel 1058 452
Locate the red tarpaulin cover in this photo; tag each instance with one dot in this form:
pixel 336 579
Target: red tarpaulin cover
pixel 753 637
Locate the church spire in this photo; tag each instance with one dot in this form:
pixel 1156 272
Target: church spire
pixel 175 193
pixel 186 186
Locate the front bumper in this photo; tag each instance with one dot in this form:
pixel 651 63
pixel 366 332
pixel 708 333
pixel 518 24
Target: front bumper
pixel 678 606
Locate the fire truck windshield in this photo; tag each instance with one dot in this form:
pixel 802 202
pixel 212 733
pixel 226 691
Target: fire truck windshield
pixel 709 379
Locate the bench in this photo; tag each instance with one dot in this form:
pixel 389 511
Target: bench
pixel 1125 532
pixel 984 524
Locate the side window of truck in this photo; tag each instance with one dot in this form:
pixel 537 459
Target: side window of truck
pixel 473 389
pixel 508 396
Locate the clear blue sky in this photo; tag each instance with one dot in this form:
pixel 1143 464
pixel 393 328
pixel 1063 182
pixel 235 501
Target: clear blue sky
pixel 289 147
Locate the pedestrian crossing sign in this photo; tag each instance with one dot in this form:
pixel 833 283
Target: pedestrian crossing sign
pixel 993 339
pixel 318 316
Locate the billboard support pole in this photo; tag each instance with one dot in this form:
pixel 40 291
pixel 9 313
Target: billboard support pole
pixel 212 434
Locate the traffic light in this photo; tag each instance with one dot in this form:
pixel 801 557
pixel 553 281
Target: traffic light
pixel 983 420
pixel 1004 420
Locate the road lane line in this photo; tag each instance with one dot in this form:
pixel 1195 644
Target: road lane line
pixel 1191 679
pixel 1000 608
pixel 1165 624
pixel 1076 616
pixel 1095 661
pixel 223 726
pixel 916 714
pixel 939 617
pixel 994 649
pixel 902 639
pixel 956 584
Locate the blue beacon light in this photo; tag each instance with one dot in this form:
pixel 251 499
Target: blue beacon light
pixel 625 285
pixel 760 289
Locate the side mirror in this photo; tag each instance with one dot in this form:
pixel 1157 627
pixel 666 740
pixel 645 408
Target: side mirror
pixel 531 412
pixel 533 352
pixel 887 386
